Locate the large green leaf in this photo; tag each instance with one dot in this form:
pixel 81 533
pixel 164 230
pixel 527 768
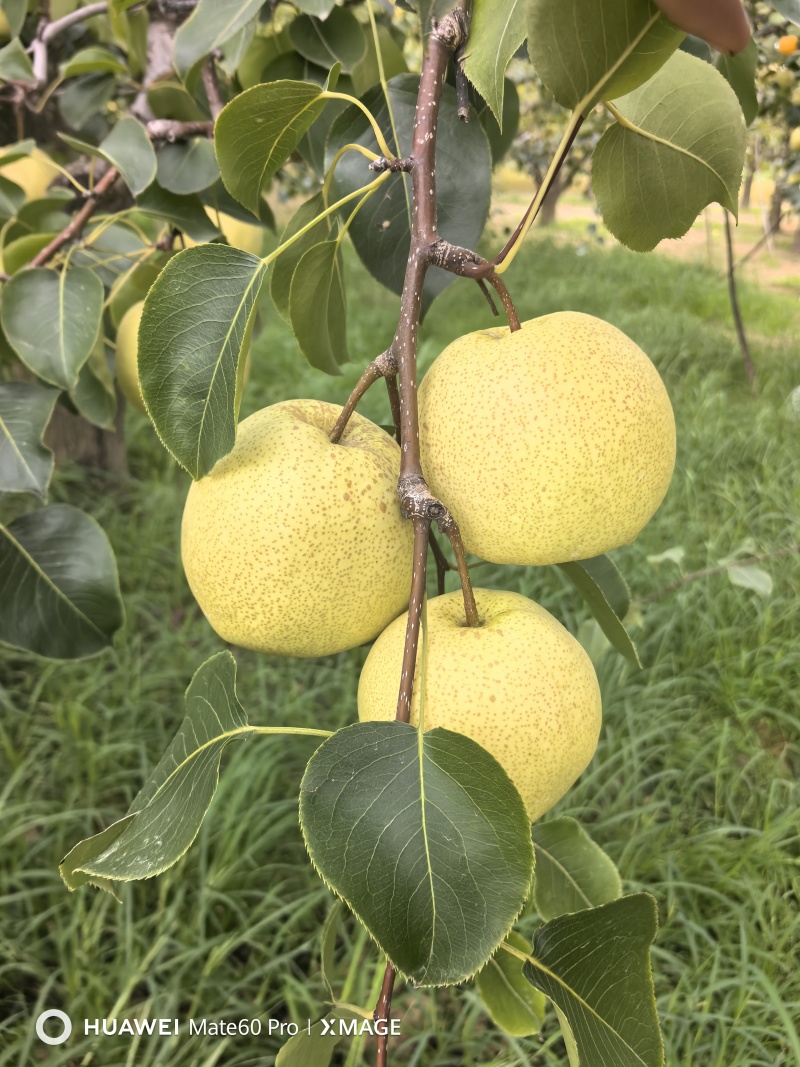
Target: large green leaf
pixel 322 8
pixel 165 816
pixel 366 72
pixel 12 197
pixel 572 872
pixel 15 66
pixel 85 98
pixel 585 51
pixel 740 72
pixel 257 132
pixel 52 320
pixel 58 584
pixel 337 39
pixel 185 212
pixel 381 232
pixel 426 840
pixel 15 12
pixel 127 148
pixel 25 464
pixel 211 24
pixel 318 307
pixel 283 268
pixel 187 166
pixel 595 966
pixel 605 591
pixel 495 33
pixel 94 394
pixel 678 144
pixel 315 1046
pixel 194 329
pixel 513 1003
pixel 93 60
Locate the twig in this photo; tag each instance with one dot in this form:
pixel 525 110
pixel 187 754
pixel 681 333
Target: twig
pixel 694 576
pixel 761 241
pixel 173 130
pixel 749 366
pixel 211 85
pixel 74 228
pixel 421 527
pixel 443 564
pixel 394 404
pixel 508 304
pixel 53 29
pixel 382 1010
pixel 383 367
pixel 450 529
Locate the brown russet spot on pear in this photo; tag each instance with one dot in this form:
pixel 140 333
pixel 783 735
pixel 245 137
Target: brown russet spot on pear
pixel 520 685
pixel 277 558
pixel 549 444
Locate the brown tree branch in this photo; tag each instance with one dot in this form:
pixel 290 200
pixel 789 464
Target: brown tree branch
pixel 394 404
pixel 384 366
pixel 173 130
pixel 52 29
pixel 76 226
pixel 382 1011
pixel 443 564
pixel 706 572
pixel 211 86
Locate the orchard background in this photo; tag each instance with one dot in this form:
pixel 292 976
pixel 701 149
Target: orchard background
pixel 693 791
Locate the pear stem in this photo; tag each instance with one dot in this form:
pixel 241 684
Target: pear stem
pixel 384 366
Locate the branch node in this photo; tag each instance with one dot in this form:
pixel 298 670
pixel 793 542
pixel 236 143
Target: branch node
pixel 381 165
pixel 452 30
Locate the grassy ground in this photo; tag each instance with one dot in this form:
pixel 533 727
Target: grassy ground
pixel 693 790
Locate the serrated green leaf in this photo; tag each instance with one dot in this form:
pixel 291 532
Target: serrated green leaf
pixel 26 466
pixel 15 66
pixel 127 148
pixel 381 232
pixel 86 97
pixel 425 839
pixel 93 60
pixel 790 9
pixel 315 1048
pixel 18 254
pixel 15 12
pixel 678 144
pixel 166 815
pixel 501 139
pixel 187 166
pixel 210 25
pixel 585 51
pixel 512 1002
pixel 337 39
pixel 595 966
pixel 318 307
pixel 12 197
pixel 606 593
pixel 52 321
pixel 496 31
pixel 185 212
pixel 194 330
pixel 740 73
pixel 572 872
pixel 257 132
pixel 58 584
pixel 283 269
pixel 94 394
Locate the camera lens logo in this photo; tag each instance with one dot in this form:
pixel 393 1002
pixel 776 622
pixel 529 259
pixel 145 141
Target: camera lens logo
pixel 63 1018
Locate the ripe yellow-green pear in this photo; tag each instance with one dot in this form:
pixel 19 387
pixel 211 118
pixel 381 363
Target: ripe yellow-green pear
pixel 519 684
pixel 552 443
pixel 248 236
pixel 33 174
pixel 127 360
pixel 294 545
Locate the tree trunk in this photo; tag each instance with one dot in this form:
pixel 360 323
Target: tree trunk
pixel 75 440
pixel 547 212
pixel 747 187
pixel 775 208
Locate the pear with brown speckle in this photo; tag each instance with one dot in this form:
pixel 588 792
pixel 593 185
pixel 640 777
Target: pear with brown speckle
pixel 550 444
pixel 519 684
pixel 294 545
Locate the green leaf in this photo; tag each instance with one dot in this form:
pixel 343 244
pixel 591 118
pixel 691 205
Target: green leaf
pixel 258 131
pixel 339 39
pixel 187 166
pixel 668 156
pixel 12 152
pixel 740 73
pixel 330 931
pixel 751 577
pixel 595 966
pixel 58 584
pixel 210 25
pixel 185 212
pixel 166 815
pixel 514 1005
pixel 365 73
pixel 95 396
pixel 322 8
pixel 20 252
pixel 15 66
pixel 496 31
pixel 316 1049
pixel 318 307
pixel 25 464
pixel 86 97
pixel 127 148
pixel 93 60
pixel 12 197
pixel 284 266
pixel 501 139
pixel 15 12
pixel 424 838
pixel 585 51
pixel 606 593
pixel 572 872
pixel 790 9
pixel 381 232
pixel 194 329
pixel 52 320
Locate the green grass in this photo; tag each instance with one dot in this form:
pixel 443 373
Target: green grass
pixel 693 790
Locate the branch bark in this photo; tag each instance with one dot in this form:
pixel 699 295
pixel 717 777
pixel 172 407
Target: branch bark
pixel 76 226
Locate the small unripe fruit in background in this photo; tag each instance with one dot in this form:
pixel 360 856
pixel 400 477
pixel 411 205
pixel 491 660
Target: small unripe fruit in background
pixel 248 236
pixel 794 139
pixel 294 545
pixel 520 685
pixel 32 173
pixel 784 79
pixel 550 444
pixel 787 45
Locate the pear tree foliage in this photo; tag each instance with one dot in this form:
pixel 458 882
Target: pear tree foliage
pixel 133 197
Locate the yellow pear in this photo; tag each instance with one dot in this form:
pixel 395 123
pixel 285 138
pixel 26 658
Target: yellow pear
pixel 794 139
pixel 294 545
pixel 552 443
pixel 519 684
pixel 128 359
pixel 248 236
pixel 33 174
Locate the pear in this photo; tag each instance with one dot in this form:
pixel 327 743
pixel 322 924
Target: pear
pixel 32 173
pixel 519 684
pixel 248 236
pixel 296 546
pixel 549 444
